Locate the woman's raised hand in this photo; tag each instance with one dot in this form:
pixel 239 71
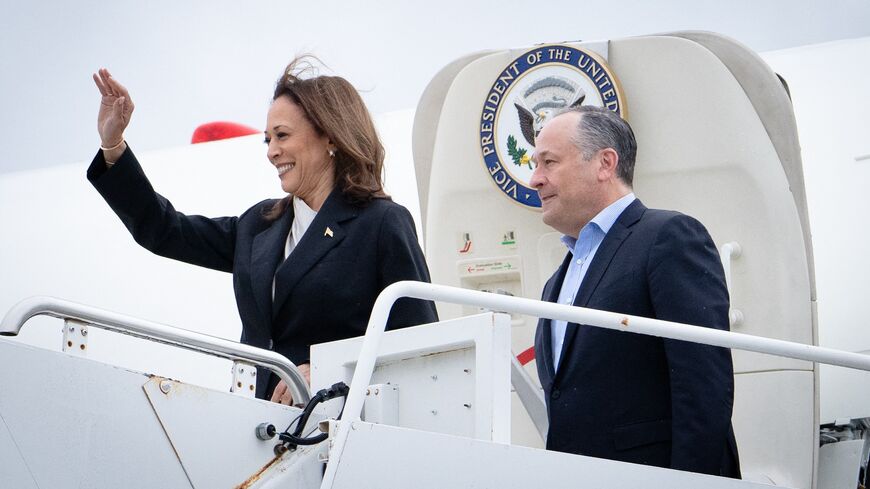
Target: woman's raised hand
pixel 116 107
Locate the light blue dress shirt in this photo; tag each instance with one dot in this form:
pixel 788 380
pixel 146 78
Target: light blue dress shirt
pixel 582 252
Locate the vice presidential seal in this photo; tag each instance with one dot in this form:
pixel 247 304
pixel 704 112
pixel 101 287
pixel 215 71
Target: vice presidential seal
pixel 527 93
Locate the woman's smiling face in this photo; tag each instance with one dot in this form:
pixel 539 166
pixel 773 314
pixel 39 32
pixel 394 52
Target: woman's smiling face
pixel 299 152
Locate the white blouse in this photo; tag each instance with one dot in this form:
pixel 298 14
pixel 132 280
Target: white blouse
pixel 302 218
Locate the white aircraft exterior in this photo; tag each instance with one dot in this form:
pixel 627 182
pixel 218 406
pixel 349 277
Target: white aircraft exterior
pixel 63 241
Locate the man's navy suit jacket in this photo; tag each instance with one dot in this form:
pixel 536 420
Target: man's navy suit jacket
pixel 325 289
pixel 637 398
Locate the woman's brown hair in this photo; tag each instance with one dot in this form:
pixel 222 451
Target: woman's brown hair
pixel 335 109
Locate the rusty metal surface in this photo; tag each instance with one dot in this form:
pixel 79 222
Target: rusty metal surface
pixel 300 469
pixel 256 475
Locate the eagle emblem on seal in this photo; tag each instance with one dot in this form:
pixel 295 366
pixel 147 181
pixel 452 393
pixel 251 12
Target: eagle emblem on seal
pixel 536 105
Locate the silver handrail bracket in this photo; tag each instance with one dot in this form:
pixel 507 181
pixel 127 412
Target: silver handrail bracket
pixel 286 370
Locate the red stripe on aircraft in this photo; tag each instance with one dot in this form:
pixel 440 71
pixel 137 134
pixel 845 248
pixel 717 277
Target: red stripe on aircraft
pixel 526 356
pixel 214 131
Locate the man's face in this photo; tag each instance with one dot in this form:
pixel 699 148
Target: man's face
pixel 569 187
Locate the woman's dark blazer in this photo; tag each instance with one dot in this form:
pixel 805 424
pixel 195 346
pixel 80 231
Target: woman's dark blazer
pixel 324 291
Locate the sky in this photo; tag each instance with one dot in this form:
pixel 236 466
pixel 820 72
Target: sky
pixel 188 63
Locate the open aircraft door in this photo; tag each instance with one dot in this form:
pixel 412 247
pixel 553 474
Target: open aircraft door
pixel 717 140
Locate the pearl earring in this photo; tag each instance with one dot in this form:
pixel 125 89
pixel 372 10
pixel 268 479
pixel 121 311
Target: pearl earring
pixel 331 153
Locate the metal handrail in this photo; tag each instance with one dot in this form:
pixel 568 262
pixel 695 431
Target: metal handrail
pixel 286 370
pixel 531 396
pixel 728 252
pixel 519 305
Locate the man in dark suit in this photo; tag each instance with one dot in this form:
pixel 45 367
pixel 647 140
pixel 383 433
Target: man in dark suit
pixel 614 394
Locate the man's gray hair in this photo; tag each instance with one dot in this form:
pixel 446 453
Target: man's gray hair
pixel 600 128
